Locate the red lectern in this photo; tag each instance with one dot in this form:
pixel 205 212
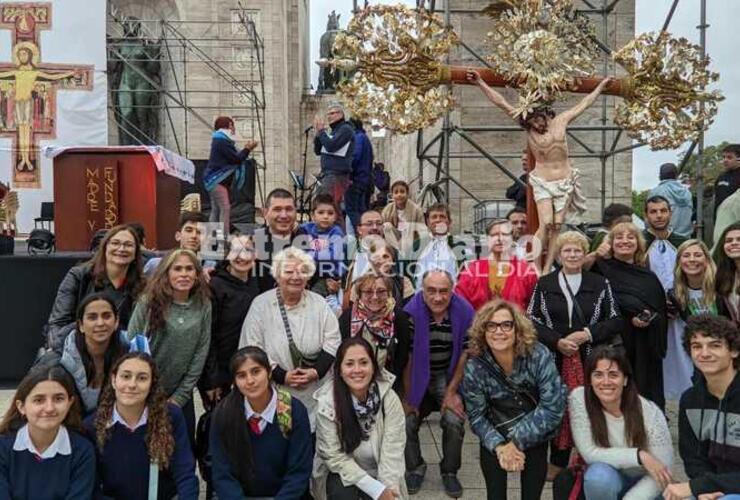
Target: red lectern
pixel 100 187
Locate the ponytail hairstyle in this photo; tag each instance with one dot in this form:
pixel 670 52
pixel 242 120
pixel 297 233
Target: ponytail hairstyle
pixel 634 425
pixel 348 427
pixel 115 347
pixel 229 421
pixel 13 420
pixel 160 442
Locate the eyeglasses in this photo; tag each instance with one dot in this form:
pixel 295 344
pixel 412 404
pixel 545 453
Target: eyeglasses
pixel 372 224
pixel 118 244
pixel 505 326
pixel 380 293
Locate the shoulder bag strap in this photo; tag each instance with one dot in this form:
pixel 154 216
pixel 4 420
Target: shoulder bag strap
pixel 576 306
pixel 295 354
pixel 153 481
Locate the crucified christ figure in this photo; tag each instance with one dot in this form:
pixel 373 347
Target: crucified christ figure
pixel 555 184
pixel 25 76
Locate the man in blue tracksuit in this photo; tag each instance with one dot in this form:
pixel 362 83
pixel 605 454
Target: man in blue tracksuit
pixel 356 197
pixel 335 145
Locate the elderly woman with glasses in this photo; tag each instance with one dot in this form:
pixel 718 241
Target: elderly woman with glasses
pixel 378 318
pixel 295 327
pixel 514 398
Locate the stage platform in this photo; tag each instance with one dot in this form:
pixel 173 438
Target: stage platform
pixel 28 286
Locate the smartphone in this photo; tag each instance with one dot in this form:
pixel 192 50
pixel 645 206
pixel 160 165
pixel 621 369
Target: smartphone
pixel 647 317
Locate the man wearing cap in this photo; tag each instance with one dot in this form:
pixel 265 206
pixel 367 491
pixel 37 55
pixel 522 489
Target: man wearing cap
pixel 679 198
pixel 335 145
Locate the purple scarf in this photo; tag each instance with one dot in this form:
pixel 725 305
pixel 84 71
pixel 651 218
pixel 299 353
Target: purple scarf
pixel 461 317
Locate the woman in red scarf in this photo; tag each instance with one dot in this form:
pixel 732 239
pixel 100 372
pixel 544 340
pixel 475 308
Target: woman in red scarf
pixel 377 318
pixel 501 275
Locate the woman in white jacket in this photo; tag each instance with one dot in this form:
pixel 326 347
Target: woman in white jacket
pixel 622 436
pixel 360 432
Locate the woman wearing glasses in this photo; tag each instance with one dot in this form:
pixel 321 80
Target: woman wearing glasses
pixel 115 269
pixel 378 318
pixel 514 398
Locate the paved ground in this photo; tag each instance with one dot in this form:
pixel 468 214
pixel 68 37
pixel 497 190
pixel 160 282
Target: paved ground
pixel 431 443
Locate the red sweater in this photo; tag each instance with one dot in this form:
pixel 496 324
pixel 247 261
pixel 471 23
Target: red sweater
pixel 472 283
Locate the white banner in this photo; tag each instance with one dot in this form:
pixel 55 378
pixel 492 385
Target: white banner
pixel 53 91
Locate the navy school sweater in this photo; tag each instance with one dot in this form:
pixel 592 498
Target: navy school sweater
pixel 70 477
pixel 282 466
pixel 123 465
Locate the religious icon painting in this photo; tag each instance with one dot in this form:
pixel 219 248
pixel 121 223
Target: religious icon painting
pixel 28 89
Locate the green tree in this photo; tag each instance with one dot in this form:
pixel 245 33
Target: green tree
pixel 712 164
pixel 638 202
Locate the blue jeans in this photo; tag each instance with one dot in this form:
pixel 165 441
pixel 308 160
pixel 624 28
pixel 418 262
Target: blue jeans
pixel 604 482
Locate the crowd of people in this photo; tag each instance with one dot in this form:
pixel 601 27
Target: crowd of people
pixel 318 356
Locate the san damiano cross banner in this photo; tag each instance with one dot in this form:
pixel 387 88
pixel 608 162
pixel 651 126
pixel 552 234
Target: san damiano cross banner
pixel 53 91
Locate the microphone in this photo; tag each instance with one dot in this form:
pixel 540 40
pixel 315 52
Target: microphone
pixel 307 129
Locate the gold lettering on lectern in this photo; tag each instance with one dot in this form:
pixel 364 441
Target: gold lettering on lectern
pixel 101 186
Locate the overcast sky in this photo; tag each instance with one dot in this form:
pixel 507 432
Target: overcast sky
pixel 722 47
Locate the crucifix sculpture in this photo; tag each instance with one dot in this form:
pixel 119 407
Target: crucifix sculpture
pixel 28 88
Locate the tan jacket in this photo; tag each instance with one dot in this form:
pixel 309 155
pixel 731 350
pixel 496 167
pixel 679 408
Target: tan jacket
pixel 403 239
pixel 388 439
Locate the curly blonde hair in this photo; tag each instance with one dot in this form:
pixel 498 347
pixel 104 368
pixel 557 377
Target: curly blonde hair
pixel 681 285
pixel 641 252
pixel 160 442
pixel 525 335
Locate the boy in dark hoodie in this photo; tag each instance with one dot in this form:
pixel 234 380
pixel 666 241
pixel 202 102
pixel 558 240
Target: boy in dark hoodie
pixel 709 413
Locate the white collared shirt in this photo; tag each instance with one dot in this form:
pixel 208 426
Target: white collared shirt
pixel 118 419
pixel 268 415
pixel 60 445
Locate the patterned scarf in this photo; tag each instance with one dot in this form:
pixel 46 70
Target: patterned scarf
pixel 367 410
pixel 380 325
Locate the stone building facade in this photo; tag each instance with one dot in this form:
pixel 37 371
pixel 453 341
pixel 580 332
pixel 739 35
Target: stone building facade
pixel 198 72
pixel 290 106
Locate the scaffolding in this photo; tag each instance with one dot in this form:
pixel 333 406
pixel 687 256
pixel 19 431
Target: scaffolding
pixel 230 54
pixel 439 187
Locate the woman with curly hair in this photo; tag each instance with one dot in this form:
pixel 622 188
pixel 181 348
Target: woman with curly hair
pixel 175 314
pixel 642 302
pixel 115 268
pixel 378 318
pixel 140 438
pixel 260 435
pixel 727 257
pixel 514 398
pixel 692 293
pixel 41 453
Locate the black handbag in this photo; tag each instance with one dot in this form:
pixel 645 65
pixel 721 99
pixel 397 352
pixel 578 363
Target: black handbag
pixel 506 413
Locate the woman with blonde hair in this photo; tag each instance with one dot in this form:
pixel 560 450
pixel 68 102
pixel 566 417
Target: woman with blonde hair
pixel 693 293
pixel 642 301
pixel 175 314
pixel 376 316
pixel 573 310
pixel 514 398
